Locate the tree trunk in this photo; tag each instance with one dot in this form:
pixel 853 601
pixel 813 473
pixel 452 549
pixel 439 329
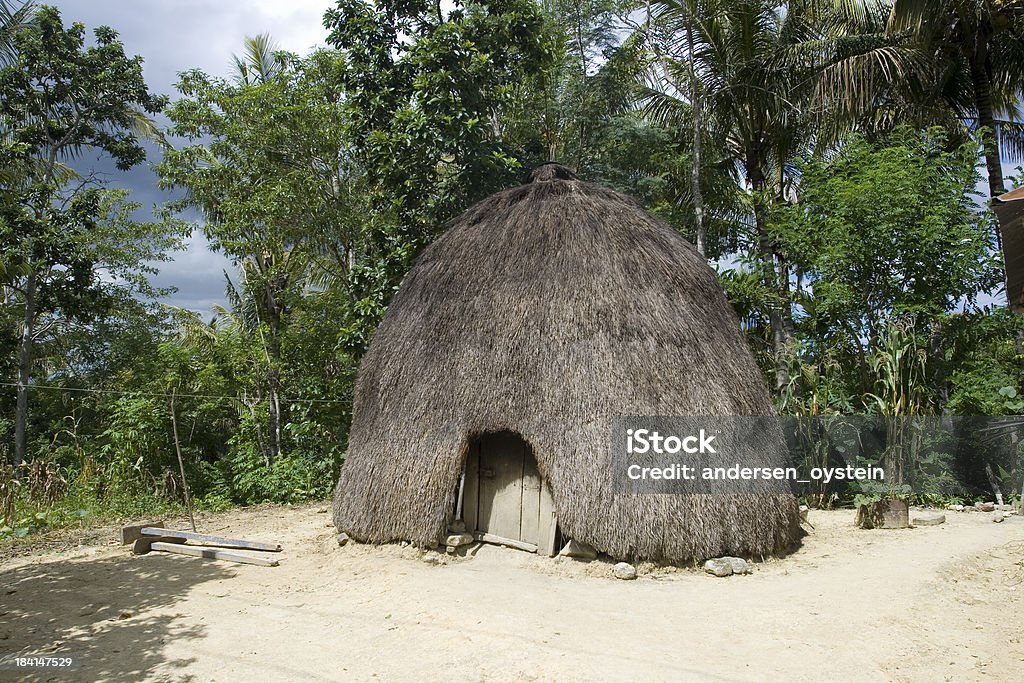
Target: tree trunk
pixel 785 298
pixel 274 380
pixel 994 483
pixel 274 412
pixel 24 369
pixel 181 460
pixel 695 105
pixel 981 81
pixel 983 103
pixel 273 287
pixel 770 278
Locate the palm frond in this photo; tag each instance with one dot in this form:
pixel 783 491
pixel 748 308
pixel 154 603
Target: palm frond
pixel 13 18
pixel 143 126
pixel 1011 141
pixel 192 331
pixel 258 62
pixel 913 15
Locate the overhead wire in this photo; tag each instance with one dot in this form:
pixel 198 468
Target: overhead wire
pixel 161 395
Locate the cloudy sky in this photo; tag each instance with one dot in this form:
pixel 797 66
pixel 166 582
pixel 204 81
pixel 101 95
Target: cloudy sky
pixel 177 35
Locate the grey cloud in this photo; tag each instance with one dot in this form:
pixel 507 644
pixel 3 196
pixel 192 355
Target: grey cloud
pixel 175 36
pixel 204 34
pixel 198 275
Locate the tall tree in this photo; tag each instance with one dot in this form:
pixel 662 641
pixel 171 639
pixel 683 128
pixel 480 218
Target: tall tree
pixel 59 97
pixel 882 231
pixel 571 96
pixel 975 49
pixel 752 92
pixel 426 88
pixel 269 166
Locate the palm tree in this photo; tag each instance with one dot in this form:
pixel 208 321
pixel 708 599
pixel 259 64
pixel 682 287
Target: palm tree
pixel 271 282
pixel 975 51
pixel 94 101
pixel 768 81
pixel 732 59
pixel 271 253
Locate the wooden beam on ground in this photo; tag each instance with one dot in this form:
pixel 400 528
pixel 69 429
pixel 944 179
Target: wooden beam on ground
pixel 499 540
pixel 130 534
pixel 994 483
pixel 143 544
pixel 212 540
pixel 212 553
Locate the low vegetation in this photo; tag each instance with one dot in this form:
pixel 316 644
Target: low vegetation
pixel 800 145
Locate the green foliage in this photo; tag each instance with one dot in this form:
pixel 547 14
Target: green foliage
pixel 135 448
pixel 267 164
pixel 25 525
pixel 884 229
pixel 13 17
pixel 43 499
pixel 986 373
pixel 978 47
pixel 70 249
pixel 899 366
pixel 60 96
pixel 426 92
pixel 270 167
pixel 885 243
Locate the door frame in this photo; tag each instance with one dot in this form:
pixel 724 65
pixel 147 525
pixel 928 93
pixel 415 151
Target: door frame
pixel 470 491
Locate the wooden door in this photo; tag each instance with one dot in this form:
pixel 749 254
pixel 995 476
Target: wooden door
pixel 501 485
pixel 505 497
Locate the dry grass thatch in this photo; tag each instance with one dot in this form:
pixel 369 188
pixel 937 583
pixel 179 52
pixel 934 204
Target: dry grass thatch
pixel 547 310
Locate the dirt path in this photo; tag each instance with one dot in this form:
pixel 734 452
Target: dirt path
pixel 926 604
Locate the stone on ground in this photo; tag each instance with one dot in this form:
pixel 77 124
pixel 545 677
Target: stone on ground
pixel 458 540
pixel 624 571
pixel 578 551
pixel 719 566
pixel 928 519
pixel 433 558
pixel 739 565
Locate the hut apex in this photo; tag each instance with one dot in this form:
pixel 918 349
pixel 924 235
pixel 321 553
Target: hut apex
pixel 488 394
pixel 551 171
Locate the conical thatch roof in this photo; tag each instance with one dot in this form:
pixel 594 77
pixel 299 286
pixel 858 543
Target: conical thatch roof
pixel 547 310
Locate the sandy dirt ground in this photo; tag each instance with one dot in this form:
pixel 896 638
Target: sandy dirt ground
pixel 923 604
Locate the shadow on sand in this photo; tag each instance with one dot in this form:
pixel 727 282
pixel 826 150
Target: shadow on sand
pixel 103 612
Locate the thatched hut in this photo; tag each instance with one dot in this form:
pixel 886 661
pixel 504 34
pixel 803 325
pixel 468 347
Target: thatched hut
pixel 540 315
